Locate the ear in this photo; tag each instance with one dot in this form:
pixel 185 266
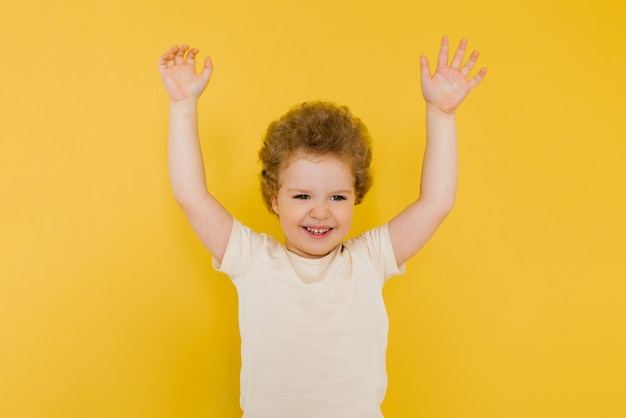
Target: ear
pixel 274 204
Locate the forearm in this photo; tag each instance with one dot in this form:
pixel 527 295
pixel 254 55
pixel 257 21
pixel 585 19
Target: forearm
pixel 186 168
pixel 440 167
pixel 444 91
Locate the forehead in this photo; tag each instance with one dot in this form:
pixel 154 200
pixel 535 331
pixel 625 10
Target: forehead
pixel 306 170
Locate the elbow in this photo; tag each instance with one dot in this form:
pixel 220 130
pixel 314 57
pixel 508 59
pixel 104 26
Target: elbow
pixel 188 194
pixel 181 198
pixel 186 201
pixel 193 202
pixel 447 206
pixel 440 201
pixel 440 208
pixel 443 211
pixel 182 203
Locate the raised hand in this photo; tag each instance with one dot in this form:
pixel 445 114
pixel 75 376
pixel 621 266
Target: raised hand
pixel 178 71
pixel 447 88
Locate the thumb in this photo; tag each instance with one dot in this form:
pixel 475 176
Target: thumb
pixel 424 69
pixel 208 68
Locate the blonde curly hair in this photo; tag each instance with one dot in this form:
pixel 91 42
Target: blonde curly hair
pixel 319 129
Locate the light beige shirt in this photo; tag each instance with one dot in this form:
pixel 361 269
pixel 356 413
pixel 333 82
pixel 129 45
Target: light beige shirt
pixel 313 331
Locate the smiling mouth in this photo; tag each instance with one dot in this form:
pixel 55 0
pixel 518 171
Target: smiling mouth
pixel 318 232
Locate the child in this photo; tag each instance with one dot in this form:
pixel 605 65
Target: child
pixel 312 319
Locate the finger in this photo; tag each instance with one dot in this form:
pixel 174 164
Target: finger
pixel 442 60
pixel 469 65
pixel 163 60
pixel 167 59
pixel 424 69
pixel 208 64
pixel 208 69
pixel 191 55
pixel 458 56
pixel 473 82
pixel 180 54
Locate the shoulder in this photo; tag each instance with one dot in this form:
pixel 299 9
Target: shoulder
pixel 375 246
pixel 372 240
pixel 242 234
pixel 244 247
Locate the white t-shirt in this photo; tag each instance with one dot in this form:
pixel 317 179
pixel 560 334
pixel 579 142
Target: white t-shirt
pixel 313 331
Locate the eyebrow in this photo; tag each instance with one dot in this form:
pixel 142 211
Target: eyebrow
pixel 307 191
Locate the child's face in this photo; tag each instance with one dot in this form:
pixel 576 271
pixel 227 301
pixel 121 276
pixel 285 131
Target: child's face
pixel 315 204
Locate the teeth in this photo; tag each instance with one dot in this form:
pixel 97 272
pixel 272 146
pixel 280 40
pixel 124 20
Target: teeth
pixel 318 231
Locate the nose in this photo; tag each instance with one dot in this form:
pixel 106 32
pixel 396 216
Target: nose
pixel 319 210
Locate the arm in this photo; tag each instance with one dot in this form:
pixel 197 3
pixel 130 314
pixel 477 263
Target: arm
pixel 208 218
pixel 443 93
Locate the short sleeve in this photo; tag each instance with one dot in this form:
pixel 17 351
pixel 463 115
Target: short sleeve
pixel 377 243
pixel 241 250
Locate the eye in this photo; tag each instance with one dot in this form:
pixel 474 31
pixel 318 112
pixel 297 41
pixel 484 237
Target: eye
pixel 337 198
pixel 302 196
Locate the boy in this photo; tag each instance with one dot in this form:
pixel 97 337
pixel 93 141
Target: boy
pixel 312 320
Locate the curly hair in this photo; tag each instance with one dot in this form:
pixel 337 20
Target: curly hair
pixel 319 129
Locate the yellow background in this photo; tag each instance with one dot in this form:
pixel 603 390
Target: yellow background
pixel 108 304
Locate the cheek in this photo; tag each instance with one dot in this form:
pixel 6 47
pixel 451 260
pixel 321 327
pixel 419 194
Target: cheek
pixel 346 214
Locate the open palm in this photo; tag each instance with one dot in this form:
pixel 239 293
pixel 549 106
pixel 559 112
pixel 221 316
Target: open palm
pixel 447 88
pixel 178 71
